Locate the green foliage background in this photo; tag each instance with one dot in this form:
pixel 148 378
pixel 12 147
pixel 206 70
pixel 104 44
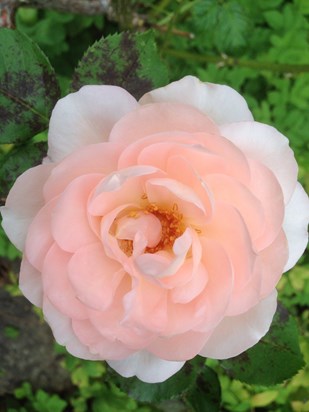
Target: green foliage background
pixel 261 49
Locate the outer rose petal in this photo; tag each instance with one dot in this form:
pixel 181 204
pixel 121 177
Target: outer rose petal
pixel 30 282
pixel 161 117
pixel 86 117
pixel 268 146
pixel 147 367
pixel 63 332
pixel 235 334
pixel 221 103
pixel 23 202
pixel 295 225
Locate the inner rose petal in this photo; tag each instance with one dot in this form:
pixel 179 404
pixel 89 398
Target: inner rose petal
pixel 160 117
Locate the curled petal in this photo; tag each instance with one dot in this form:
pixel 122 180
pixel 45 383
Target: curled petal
pixel 69 222
pixel 146 367
pixel 295 225
pixel 30 282
pixel 160 117
pixel 221 103
pixel 62 330
pixel 86 117
pixel 57 286
pixel 269 147
pixel 94 276
pixel 23 202
pixel 235 334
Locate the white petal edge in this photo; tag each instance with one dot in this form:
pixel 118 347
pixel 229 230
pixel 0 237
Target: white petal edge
pixel 86 117
pixel 63 332
pixel 235 334
pixel 30 283
pixel 295 225
pixel 146 367
pixel 23 202
pixel 267 145
pixel 221 103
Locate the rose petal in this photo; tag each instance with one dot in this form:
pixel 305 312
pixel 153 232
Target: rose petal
pixel 269 147
pixel 295 225
pixel 98 158
pixel 97 344
pixel 63 332
pixel 94 276
pixel 57 286
pixel 23 202
pixel 221 103
pixel 146 367
pixel 236 334
pixel 30 282
pixel 69 222
pixel 39 239
pixel 86 117
pixel 160 117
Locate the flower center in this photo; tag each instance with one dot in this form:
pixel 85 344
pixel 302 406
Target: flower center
pixel 171 224
pixel 166 222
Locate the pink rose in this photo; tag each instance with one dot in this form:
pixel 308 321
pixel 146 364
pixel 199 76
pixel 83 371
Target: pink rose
pixel 157 230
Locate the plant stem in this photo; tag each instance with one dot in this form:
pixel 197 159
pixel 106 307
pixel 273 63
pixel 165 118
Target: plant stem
pixel 226 61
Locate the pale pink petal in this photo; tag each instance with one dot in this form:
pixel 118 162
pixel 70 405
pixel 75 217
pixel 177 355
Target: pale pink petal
pixel 23 202
pixel 97 344
pixel 146 306
pixel 39 238
pixel 57 286
pixel 273 259
pixel 160 117
pixel 69 222
pixel 62 330
pixel 226 189
pixel 124 186
pixel 228 228
pixel 170 192
pixel 141 224
pixel 211 305
pixel 180 347
pixel 178 168
pixel 94 276
pixel 97 158
pixel 158 147
pixel 221 103
pixel 86 117
pixel 236 334
pixel 30 282
pixel 295 225
pixel 266 188
pixel 187 292
pixel 146 367
pixel 268 146
pixel 156 265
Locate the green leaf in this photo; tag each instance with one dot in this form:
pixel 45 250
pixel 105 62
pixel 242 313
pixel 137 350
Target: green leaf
pixel 169 389
pixel 205 395
pixel 16 161
pixel 275 358
pixel 28 88
pixel 128 60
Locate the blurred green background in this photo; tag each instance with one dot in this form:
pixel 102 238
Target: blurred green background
pixel 260 48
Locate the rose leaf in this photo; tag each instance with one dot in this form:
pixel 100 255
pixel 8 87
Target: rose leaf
pixel 128 60
pixel 16 161
pixel 195 386
pixel 275 358
pixel 205 395
pixel 28 88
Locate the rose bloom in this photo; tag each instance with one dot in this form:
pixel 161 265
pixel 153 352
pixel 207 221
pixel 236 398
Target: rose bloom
pixel 157 230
